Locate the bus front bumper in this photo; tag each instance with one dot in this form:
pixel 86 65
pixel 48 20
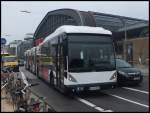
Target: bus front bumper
pixel 95 86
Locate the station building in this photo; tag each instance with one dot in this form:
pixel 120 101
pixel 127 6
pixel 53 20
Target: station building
pixel 131 35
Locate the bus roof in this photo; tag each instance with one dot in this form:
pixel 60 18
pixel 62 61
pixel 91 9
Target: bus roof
pixel 82 29
pixel 77 29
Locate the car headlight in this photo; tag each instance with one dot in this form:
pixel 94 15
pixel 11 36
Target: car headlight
pixel 138 73
pixel 71 78
pixel 122 73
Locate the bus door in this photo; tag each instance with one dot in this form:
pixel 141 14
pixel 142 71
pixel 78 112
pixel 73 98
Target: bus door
pixel 59 63
pixel 35 61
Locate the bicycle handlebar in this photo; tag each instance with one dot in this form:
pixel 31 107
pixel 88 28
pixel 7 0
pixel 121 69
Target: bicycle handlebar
pixel 6 69
pixel 29 85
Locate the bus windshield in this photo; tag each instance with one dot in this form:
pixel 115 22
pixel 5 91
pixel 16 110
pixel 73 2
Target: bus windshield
pixel 9 59
pixel 90 53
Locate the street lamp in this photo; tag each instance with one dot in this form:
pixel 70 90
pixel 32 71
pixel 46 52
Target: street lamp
pixel 25 11
pixel 8 35
pixel 31 34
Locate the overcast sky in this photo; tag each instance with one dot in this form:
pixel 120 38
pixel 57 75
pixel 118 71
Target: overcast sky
pixel 16 24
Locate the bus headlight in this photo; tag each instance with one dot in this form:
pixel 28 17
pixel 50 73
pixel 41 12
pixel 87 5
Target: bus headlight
pixel 71 78
pixel 114 76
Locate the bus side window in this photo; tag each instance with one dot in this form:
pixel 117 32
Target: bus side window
pixel 53 50
pixel 49 49
pixel 64 44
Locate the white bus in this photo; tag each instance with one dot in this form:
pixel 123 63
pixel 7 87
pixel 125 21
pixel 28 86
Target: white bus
pixel 78 58
pixel 33 60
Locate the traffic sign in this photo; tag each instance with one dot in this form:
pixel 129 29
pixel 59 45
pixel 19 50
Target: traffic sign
pixel 3 41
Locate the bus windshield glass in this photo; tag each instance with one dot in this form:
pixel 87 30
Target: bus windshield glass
pixel 89 52
pixel 9 59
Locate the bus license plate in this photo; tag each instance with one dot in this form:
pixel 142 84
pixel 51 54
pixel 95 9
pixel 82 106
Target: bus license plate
pixel 136 78
pixel 94 88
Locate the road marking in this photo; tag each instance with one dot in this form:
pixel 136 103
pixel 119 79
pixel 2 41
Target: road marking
pixel 92 105
pixel 24 78
pixel 136 90
pixel 131 101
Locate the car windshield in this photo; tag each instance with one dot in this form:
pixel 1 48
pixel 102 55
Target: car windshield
pixel 90 53
pixel 9 59
pixel 122 64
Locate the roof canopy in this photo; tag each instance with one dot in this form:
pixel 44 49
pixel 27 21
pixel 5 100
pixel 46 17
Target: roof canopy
pixel 57 18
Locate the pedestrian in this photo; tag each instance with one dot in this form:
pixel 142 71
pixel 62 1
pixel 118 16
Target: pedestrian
pixel 140 60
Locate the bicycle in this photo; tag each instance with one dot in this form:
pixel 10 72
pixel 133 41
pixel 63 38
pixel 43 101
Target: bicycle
pixel 20 95
pixel 22 99
pixel 9 79
pixel 43 106
pixel 32 102
pixel 14 88
pixel 4 75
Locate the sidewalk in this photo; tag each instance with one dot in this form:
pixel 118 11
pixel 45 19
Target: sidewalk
pixel 6 106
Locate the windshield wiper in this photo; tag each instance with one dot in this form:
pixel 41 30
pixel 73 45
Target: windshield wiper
pixel 105 68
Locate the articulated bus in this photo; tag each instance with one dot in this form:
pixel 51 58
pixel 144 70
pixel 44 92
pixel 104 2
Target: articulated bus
pixel 75 58
pixel 26 60
pixel 31 57
pixel 33 60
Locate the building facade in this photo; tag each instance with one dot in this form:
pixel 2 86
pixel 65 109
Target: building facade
pixel 23 46
pixel 126 31
pixel 137 50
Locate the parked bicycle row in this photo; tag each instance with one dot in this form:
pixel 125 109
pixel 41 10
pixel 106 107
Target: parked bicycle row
pixel 20 95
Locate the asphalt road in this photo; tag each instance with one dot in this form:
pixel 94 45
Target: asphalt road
pixel 120 99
